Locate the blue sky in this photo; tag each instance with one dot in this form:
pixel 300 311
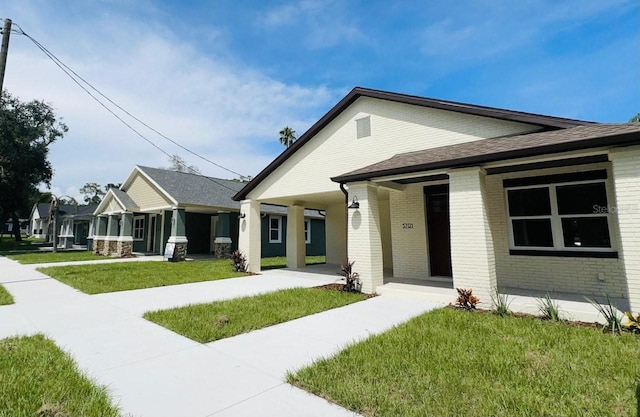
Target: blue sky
pixel 222 77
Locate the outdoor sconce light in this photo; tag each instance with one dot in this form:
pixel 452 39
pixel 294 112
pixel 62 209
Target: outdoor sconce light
pixel 354 204
pixel 242 216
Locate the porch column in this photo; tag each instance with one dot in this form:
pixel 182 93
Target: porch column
pixel 65 237
pixel 250 236
pixel 365 244
pixel 626 180
pixel 222 241
pixel 101 232
pixel 178 235
pixel 336 233
pixel 472 256
pixel 125 240
pixel 111 240
pixel 296 247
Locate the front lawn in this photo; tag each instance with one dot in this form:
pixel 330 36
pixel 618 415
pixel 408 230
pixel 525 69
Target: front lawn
pixel 9 244
pixel 281 261
pixel 5 297
pixel 450 362
pixel 35 375
pixel 212 321
pixel 122 276
pixel 46 257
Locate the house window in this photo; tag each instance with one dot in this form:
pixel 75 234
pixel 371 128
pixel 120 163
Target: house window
pixel 307 231
pixel 275 229
pixel 561 216
pixel 363 127
pixel 138 228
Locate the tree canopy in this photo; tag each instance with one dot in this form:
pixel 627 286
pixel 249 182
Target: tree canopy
pixel 27 129
pixel 179 164
pixel 287 136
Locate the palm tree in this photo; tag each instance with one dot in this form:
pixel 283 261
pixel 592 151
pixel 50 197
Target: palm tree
pixel 287 136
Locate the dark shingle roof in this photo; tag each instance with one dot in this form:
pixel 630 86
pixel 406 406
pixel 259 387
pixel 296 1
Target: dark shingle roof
pixel 43 209
pixel 124 198
pixel 496 149
pixel 545 122
pixel 195 189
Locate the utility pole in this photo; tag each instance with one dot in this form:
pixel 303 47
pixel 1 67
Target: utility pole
pixel 6 31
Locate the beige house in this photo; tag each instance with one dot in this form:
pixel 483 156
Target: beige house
pixel 428 195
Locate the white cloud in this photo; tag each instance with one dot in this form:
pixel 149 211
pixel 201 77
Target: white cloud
pixel 223 110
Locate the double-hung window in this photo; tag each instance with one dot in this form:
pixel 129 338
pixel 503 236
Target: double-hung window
pixel 559 213
pixel 138 228
pixel 275 229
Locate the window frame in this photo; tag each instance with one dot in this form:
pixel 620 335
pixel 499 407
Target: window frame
pixel 556 219
pixel 135 229
pixel 279 229
pixel 307 231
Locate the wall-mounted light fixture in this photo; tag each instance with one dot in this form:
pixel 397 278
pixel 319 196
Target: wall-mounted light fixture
pixel 354 204
pixel 242 216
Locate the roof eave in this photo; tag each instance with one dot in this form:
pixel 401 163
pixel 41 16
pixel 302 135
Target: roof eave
pixel 619 140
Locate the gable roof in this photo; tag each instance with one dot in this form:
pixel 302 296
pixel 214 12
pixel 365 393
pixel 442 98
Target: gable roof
pixel 122 198
pixel 43 209
pixel 546 122
pixel 194 189
pixel 496 149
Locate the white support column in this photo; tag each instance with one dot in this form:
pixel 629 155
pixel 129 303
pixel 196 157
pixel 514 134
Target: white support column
pixel 626 180
pixel 249 240
pixel 365 244
pixel 296 247
pixel 336 233
pixel 472 255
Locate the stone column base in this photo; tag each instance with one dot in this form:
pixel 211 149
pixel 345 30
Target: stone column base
pixel 98 246
pixel 180 252
pixel 110 246
pixel 124 249
pixel 222 250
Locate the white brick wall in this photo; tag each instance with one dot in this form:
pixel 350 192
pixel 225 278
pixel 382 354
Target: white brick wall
pixel 395 128
pixel 472 254
pixel 295 237
pixel 549 273
pixel 250 234
pixel 626 176
pixel 336 232
pixel 410 259
pixel 365 246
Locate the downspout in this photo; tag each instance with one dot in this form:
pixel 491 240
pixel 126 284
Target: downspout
pixel 346 220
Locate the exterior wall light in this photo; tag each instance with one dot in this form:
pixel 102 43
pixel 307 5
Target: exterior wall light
pixel 354 204
pixel 242 216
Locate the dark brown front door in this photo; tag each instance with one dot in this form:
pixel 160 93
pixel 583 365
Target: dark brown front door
pixel 437 200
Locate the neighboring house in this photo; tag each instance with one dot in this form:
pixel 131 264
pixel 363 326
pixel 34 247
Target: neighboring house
pixel 155 207
pixel 7 227
pixel 74 226
pixel 442 194
pixel 40 222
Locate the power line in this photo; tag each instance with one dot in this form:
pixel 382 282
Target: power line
pixel 74 77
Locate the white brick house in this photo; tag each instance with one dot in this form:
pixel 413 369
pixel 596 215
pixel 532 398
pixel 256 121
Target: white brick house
pixel 457 195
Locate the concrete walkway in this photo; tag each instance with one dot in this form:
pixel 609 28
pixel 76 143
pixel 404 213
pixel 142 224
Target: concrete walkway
pixel 153 372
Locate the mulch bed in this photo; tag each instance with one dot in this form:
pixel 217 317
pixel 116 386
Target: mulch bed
pixel 339 287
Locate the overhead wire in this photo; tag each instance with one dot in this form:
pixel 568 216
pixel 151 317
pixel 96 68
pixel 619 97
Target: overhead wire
pixel 72 75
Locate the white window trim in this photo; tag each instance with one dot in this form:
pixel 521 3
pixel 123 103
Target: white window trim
pixel 134 228
pixel 279 229
pixel 556 219
pixel 307 226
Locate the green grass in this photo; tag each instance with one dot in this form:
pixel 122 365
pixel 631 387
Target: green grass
pixel 281 261
pixel 122 276
pixel 5 297
pixel 8 244
pixel 449 362
pixel 203 323
pixel 46 257
pixel 35 372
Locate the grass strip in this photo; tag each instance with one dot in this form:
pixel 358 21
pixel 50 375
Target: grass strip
pixel 47 257
pixel 449 362
pixel 213 321
pixel 122 276
pixel 36 375
pixel 276 262
pixel 5 297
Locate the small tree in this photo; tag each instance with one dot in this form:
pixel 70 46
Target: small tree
pixel 179 164
pixel 635 119
pixel 287 136
pixel 92 193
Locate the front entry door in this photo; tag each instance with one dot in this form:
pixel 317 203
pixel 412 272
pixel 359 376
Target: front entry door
pixel 437 201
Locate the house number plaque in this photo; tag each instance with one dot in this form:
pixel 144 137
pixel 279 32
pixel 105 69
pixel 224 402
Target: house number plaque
pixel 407 225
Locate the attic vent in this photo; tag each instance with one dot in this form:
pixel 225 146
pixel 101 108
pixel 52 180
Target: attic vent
pixel 363 127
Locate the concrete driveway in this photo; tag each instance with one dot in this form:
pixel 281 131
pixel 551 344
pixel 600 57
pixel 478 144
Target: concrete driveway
pixel 153 372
